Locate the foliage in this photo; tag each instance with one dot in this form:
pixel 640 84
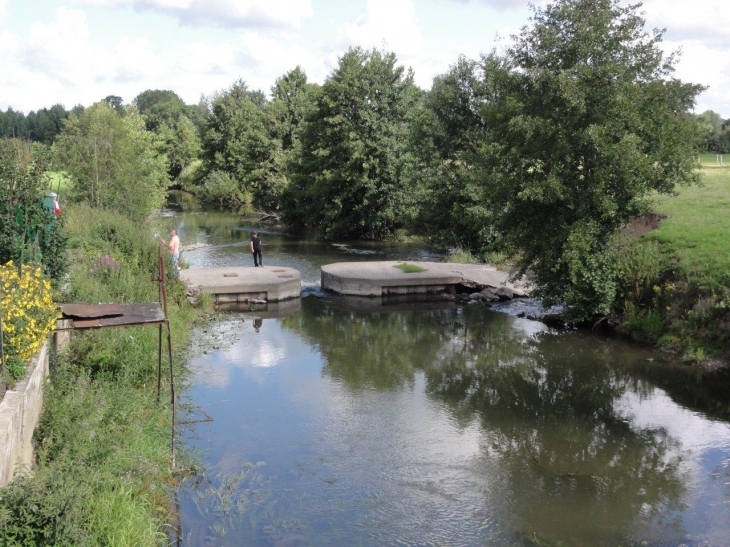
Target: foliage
pixel 222 190
pixel 351 178
pixel 112 161
pixel 292 98
pixel 445 133
pixel 28 228
pixel 28 314
pixel 236 139
pixel 715 132
pixel 103 470
pixel 585 122
pixel 167 116
pixel 42 125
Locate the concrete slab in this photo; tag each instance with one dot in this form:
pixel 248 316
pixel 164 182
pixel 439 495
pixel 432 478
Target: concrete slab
pixel 244 284
pixel 384 278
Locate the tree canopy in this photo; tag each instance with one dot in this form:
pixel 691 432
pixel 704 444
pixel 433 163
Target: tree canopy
pixel 113 161
pixel 585 121
pixel 351 176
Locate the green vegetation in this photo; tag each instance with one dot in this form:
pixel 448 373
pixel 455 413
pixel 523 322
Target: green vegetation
pixel 29 231
pixel 112 161
pixel 351 180
pixel 410 268
pixel 103 471
pixel 697 229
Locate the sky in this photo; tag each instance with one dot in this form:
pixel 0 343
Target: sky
pixel 80 51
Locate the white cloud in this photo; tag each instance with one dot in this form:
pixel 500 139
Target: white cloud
pixel 388 23
pixel 699 28
pixel 705 21
pixel 284 14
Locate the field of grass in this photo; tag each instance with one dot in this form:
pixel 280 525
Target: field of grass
pixel 59 182
pixel 711 160
pixel 697 228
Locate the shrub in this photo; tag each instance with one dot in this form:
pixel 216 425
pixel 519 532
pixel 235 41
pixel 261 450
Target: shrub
pixel 28 314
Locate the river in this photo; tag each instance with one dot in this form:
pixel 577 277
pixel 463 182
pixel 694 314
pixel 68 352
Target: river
pixel 337 423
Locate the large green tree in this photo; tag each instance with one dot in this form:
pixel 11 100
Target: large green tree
pixel 237 143
pixel 292 98
pixel 585 121
pixel 446 131
pixel 113 161
pixel 352 177
pixel 167 115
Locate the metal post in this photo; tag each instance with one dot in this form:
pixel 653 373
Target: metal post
pixel 163 290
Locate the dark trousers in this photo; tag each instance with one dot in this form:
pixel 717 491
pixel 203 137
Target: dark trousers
pixel 257 260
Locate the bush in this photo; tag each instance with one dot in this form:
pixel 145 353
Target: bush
pixel 28 229
pixel 221 189
pixel 28 314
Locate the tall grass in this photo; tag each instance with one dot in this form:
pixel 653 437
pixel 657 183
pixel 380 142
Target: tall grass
pixel 103 475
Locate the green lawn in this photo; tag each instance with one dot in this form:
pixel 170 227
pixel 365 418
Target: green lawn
pixel 59 182
pixel 712 159
pixel 697 228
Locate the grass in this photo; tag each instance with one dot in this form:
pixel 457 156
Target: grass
pixel 410 268
pixel 697 229
pixel 60 183
pixel 103 473
pixel 711 160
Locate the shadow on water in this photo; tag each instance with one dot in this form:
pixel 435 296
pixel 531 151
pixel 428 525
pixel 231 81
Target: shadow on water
pixel 526 436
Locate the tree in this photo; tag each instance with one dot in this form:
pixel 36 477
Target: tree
pixel 112 161
pixel 445 134
pixel 351 178
pixel 585 122
pixel 167 116
pixel 292 98
pixel 236 139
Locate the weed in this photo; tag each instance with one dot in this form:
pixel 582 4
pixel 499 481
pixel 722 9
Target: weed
pixel 410 268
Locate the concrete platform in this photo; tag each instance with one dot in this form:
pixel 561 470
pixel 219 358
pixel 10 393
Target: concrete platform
pixel 384 279
pixel 244 284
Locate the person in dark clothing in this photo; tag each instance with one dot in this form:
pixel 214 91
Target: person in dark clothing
pixel 256 250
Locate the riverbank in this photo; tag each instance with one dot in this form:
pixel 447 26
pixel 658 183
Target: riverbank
pixel 691 311
pixel 102 474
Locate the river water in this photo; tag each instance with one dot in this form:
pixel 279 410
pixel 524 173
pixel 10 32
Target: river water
pixel 336 422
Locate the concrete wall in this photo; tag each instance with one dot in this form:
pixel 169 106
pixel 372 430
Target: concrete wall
pixel 20 410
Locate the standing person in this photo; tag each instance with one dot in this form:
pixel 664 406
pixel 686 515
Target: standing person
pixel 256 250
pixel 174 247
pixel 56 206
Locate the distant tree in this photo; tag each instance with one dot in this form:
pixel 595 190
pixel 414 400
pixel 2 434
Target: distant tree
pixel 167 115
pixel 40 126
pixel 715 136
pixel 351 178
pixel 585 122
pixel 237 140
pixel 116 102
pixel 112 161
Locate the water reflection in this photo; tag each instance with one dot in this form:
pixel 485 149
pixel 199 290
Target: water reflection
pixel 430 424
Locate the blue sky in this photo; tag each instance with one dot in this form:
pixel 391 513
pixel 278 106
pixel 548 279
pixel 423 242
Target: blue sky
pixel 79 51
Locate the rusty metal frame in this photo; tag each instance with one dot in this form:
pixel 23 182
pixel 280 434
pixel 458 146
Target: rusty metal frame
pixel 91 323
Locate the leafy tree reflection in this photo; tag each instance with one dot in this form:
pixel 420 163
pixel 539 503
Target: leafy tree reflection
pixel 559 443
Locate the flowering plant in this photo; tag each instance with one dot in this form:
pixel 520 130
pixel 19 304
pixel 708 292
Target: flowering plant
pixel 27 312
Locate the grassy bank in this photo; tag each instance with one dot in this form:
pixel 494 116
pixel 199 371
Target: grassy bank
pixel 103 472
pixel 694 292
